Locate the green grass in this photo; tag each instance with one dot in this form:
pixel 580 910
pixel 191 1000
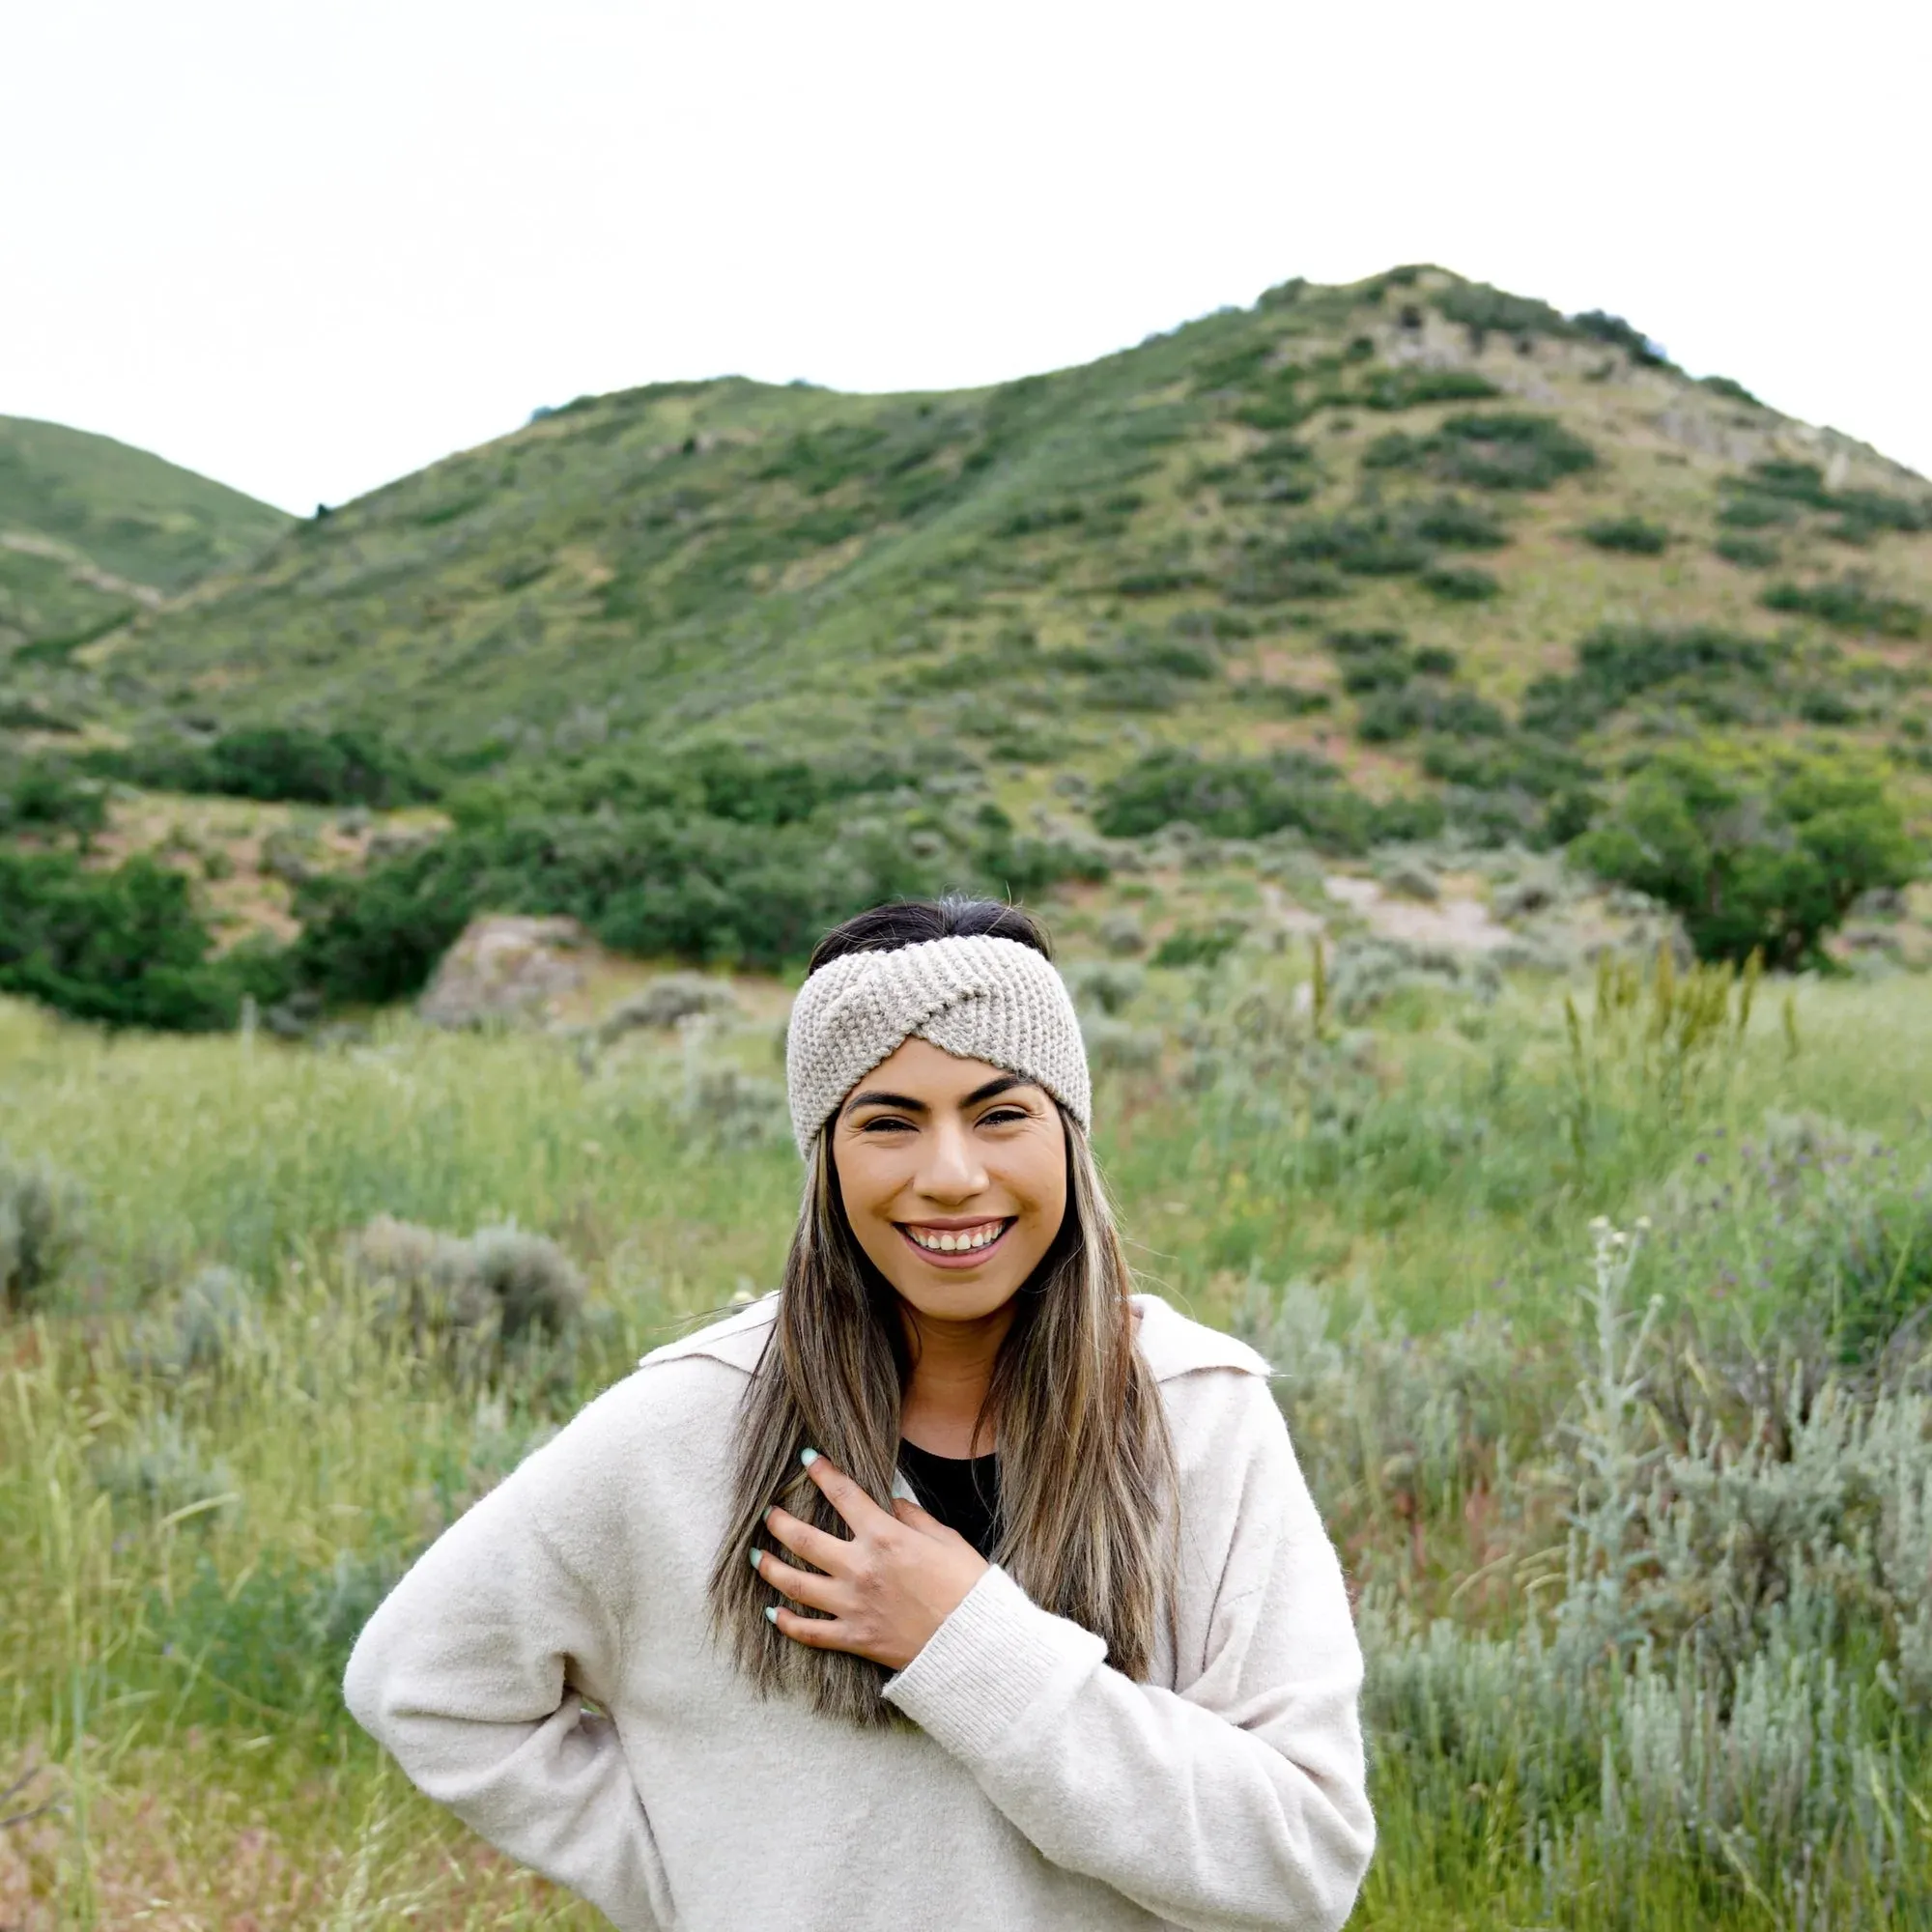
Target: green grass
pixel 1431 1176
pixel 122 510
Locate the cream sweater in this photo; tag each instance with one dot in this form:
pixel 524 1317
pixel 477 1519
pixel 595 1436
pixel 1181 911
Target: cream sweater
pixel 1042 1789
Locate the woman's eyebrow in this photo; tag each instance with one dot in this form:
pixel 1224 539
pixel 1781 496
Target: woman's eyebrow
pixel 875 1096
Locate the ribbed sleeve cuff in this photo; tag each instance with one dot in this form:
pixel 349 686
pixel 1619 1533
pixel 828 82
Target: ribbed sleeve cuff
pixel 995 1659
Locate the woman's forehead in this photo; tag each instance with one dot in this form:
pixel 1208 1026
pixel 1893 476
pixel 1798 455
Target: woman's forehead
pixel 921 1070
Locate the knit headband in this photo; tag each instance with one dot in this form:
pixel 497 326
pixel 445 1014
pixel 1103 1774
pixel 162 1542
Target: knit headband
pixel 978 997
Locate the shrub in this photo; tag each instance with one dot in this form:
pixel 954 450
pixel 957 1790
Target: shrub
pixel 1500 451
pixel 1402 713
pixel 1456 524
pixel 210 1325
pixel 1237 798
pixel 40 1211
pixel 1408 387
pixel 1755 513
pixel 719 860
pixel 48 795
pixel 1777 491
pixel 1630 534
pixel 466 1302
pixel 1851 606
pixel 1371 544
pixel 1516 762
pixel 1748 552
pixel 1618 662
pixel 124 947
pixel 161 1471
pixel 1199 945
pixel 1768 872
pixel 280 762
pixel 1462 584
pixel 1481 308
pixel 1600 327
pixel 1732 392
pixel 664 1001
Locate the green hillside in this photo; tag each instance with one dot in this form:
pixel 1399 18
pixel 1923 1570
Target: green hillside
pixel 1159 547
pixel 708 665
pixel 93 534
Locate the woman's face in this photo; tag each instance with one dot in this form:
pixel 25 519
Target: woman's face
pixel 954 1178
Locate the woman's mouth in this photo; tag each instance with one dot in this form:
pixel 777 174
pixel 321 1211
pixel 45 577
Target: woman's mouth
pixel 956 1247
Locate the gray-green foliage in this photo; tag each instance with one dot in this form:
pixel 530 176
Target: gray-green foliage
pixel 214 1324
pixel 40 1211
pixel 1719 1647
pixel 466 1299
pixel 160 1469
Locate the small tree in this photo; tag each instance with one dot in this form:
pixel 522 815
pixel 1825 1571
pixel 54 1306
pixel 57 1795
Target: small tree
pixel 1754 870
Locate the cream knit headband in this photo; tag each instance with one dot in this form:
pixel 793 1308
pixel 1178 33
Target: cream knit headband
pixel 979 997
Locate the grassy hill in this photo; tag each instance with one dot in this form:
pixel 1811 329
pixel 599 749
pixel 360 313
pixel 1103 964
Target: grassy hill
pixel 92 534
pixel 707 664
pixel 1159 547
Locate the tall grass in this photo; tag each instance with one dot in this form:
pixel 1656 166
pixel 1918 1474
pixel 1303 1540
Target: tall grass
pixel 206 1481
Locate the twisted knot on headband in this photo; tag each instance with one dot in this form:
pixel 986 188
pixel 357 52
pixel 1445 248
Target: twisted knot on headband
pixel 976 996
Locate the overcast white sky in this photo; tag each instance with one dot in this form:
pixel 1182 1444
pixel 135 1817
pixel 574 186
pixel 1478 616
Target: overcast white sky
pixel 305 249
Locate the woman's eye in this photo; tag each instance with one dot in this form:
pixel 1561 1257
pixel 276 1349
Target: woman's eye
pixel 885 1124
pixel 1002 1117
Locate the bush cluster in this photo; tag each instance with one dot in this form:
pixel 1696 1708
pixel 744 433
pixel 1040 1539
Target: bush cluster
pixel 1617 663
pixel 1408 387
pixel 124 947
pixel 49 796
pixel 1767 870
pixel 1778 491
pixel 1632 535
pixel 717 858
pixel 1852 606
pixel 1482 309
pixel 1404 692
pixel 1601 326
pixel 1316 556
pixel 1506 450
pixel 1249 798
pixel 278 762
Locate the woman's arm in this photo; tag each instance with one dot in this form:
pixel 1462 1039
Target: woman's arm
pixel 472 1673
pixel 1238 1801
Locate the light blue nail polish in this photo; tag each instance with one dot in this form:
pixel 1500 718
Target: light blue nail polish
pixel 771 1612
pixel 808 1457
pixel 755 1555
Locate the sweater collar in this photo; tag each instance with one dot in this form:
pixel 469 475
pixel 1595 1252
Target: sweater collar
pixel 1172 1343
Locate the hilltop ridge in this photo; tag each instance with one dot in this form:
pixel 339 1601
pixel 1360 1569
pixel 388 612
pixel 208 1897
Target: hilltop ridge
pixel 1150 547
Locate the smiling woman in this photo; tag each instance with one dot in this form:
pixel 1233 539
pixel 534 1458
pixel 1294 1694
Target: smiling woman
pixel 1039 1625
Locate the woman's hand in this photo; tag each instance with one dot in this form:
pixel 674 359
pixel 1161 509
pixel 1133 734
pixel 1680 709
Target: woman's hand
pixel 886 1588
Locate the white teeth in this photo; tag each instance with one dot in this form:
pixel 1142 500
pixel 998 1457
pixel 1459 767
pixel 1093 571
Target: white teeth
pixel 945 1242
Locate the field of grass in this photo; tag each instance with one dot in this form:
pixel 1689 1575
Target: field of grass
pixel 1648 1597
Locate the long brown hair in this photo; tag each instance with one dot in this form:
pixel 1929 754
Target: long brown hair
pixel 1086 1466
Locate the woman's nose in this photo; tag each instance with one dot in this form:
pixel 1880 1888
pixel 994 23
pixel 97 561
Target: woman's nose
pixel 952 1170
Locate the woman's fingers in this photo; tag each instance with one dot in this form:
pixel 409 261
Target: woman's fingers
pixel 923 1521
pixel 844 1496
pixel 819 1633
pixel 819 1547
pixel 802 1587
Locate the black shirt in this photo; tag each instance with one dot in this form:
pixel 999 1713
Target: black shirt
pixel 963 1492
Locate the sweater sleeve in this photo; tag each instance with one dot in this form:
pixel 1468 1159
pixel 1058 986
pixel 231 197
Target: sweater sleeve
pixel 1236 1801
pixel 472 1673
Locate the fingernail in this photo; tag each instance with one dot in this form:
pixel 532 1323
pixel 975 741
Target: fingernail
pixel 769 1508
pixel 755 1555
pixel 771 1613
pixel 808 1457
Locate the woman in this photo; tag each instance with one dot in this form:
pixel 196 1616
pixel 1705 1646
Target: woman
pixel 951 1586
